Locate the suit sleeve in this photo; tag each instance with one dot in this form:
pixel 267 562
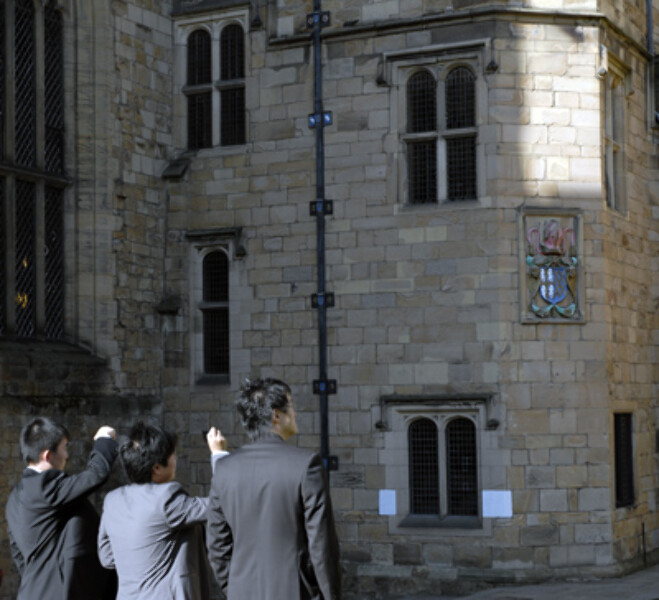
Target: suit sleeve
pixel 60 488
pixel 105 554
pixel 182 510
pixel 16 554
pixel 218 538
pixel 321 533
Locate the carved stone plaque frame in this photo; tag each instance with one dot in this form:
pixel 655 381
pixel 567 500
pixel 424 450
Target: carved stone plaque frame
pixel 551 265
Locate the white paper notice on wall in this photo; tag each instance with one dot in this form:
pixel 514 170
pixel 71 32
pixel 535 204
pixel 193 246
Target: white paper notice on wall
pixel 497 503
pixel 387 502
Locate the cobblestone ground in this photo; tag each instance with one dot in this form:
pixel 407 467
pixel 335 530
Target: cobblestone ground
pixel 642 585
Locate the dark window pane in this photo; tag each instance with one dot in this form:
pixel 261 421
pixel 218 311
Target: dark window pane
pixel 3 258
pixel 216 341
pixel 53 90
pixel 199 120
pixel 461 168
pixel 461 468
pixel 233 116
pixel 24 76
pixel 25 271
pixel 423 467
pixel 624 459
pixel 421 103
pixel 216 277
pixel 199 57
pixel 3 67
pixel 232 53
pixel 54 264
pixel 460 99
pixel 422 171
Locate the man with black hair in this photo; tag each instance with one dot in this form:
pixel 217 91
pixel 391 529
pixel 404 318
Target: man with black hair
pixel 52 525
pixel 151 530
pixel 270 529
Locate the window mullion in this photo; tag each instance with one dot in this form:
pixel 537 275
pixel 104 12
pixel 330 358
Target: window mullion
pixel 442 463
pixel 39 257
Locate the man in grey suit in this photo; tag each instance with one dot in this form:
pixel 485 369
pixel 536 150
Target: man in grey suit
pixel 151 530
pixel 270 527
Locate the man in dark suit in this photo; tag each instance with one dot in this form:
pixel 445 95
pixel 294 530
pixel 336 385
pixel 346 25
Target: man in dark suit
pixel 151 531
pixel 52 525
pixel 270 530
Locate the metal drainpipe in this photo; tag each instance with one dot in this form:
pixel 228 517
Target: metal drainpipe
pixel 323 387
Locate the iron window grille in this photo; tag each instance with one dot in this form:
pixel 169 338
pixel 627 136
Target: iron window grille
pixel 203 97
pixel 199 95
pixel 443 484
pixel 441 152
pixel 215 310
pixel 32 177
pixel 461 468
pixel 623 435
pixel 232 85
pixel 423 467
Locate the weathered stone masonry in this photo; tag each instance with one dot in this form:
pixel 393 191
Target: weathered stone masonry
pixel 432 310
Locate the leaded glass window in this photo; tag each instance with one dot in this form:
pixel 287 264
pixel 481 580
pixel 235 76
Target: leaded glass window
pixel 443 469
pixel 614 140
pixel 215 309
pixel 200 123
pixel 460 134
pixel 624 459
pixel 441 135
pixel 32 174
pixel 424 467
pixel 206 55
pixel 232 85
pixel 461 468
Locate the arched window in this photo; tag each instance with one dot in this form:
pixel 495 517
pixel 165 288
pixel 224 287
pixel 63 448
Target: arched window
pixel 422 150
pixel 423 467
pixel 461 145
pixel 215 309
pixel 199 95
pixel 32 255
pixel 232 85
pixel 461 468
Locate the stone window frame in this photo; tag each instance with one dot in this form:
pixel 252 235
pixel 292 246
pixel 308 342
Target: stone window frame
pixel 214 24
pixel 36 282
pixel 439 60
pixel 616 89
pixel 400 413
pixel 201 244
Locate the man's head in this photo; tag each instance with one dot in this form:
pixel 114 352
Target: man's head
pixel 44 442
pixel 149 454
pixel 266 405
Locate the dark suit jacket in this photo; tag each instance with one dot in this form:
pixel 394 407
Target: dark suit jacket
pixel 52 531
pixel 152 534
pixel 270 529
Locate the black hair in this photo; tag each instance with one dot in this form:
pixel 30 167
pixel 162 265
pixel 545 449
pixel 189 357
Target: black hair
pixel 148 446
pixel 38 435
pixel 257 402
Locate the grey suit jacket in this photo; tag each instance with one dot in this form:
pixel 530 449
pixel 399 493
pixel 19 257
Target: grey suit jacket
pixel 152 534
pixel 270 529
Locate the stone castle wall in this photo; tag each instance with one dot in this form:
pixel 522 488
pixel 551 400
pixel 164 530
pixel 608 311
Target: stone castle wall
pixel 429 300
